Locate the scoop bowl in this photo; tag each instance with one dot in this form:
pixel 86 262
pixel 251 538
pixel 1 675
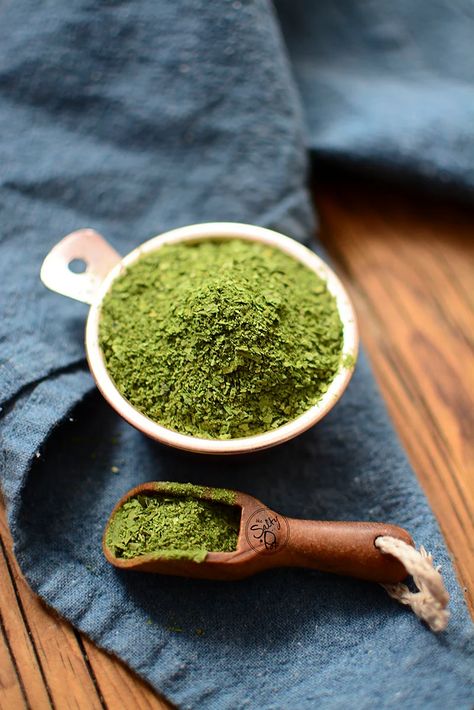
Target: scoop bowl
pixel 268 539
pixel 103 265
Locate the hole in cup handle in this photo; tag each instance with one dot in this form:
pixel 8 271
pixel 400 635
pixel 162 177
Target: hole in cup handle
pixel 84 245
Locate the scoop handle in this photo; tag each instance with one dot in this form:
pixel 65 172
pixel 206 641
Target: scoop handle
pixel 344 548
pixel 91 248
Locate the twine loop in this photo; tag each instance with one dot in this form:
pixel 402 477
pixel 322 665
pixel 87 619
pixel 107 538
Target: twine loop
pixel 430 601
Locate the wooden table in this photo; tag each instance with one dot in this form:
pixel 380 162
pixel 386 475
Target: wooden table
pixel 408 262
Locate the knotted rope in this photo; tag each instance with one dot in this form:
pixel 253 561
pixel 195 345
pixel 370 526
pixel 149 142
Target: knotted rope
pixel 430 601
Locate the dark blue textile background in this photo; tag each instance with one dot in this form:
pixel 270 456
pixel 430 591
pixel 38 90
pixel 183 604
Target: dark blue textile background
pixel 388 87
pixel 134 117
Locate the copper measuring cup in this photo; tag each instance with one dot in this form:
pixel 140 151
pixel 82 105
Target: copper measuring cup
pixel 104 264
pixel 268 539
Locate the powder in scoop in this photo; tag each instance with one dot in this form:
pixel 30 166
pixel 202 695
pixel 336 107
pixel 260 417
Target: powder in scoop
pixel 175 527
pixel 220 339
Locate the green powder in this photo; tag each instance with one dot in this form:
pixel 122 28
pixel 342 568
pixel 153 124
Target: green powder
pixel 349 361
pixel 218 495
pixel 220 339
pixel 173 526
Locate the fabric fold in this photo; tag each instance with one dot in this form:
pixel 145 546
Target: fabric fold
pixel 133 118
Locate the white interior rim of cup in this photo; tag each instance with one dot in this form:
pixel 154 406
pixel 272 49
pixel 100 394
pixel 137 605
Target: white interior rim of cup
pixel 225 230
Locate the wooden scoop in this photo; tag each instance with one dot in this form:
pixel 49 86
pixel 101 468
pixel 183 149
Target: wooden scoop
pixel 268 539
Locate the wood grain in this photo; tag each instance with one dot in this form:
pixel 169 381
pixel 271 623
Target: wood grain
pixel 12 691
pixel 409 266
pixel 408 263
pixel 45 663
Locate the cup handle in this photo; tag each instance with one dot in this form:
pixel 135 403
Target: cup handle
pixel 87 246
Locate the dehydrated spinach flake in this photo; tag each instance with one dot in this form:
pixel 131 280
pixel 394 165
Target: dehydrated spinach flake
pixel 220 338
pixel 173 526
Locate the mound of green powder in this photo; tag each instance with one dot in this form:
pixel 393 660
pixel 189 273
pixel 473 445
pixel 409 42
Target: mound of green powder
pixel 172 527
pixel 220 339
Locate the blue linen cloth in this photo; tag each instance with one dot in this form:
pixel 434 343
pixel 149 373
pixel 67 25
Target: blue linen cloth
pixel 134 118
pixel 388 87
